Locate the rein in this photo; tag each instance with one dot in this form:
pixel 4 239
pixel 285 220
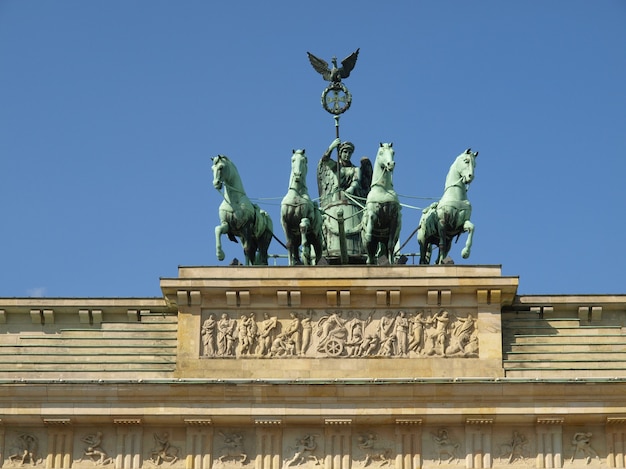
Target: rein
pixel 456 184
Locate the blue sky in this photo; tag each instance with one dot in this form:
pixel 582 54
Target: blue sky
pixel 111 110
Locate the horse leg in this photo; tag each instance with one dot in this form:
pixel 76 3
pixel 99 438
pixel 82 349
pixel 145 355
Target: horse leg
pixel 316 237
pixel 469 227
pixel 263 242
pixel 219 231
pixel 393 247
pixel 249 245
pixel 367 236
pixel 443 249
pixel 424 245
pixel 305 228
pixel 263 245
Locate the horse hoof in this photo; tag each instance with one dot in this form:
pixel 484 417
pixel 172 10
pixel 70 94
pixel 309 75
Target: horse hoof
pixel 220 255
pixel 465 253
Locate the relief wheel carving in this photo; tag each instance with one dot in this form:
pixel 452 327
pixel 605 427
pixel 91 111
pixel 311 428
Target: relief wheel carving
pixel 333 347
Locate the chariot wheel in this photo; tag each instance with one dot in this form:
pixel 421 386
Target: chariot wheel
pixel 333 347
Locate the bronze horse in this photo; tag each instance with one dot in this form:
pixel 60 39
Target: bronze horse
pixel 238 216
pixel 382 218
pixel 300 217
pixel 450 216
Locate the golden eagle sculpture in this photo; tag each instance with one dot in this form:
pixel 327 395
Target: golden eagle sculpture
pixel 334 74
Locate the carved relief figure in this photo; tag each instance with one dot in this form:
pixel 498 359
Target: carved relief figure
pixel 401 332
pixel 266 333
pixel 226 336
pixel 94 451
pixel 163 450
pixel 307 330
pixel 293 331
pixel 232 448
pixel 332 332
pixel 209 336
pixel 462 336
pixel 356 332
pixel 388 346
pixel 305 447
pixel 369 346
pixel 416 344
pixel 437 338
pixel 282 346
pixel 515 449
pixel 385 326
pixel 247 334
pixel 367 443
pixel 444 447
pixel 25 445
pixel 582 444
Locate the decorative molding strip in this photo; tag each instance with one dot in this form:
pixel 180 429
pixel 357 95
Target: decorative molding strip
pixel 62 421
pixel 338 421
pixel 198 422
pixel 478 421
pixel 550 420
pixel 127 421
pixel 408 421
pixel 268 422
pixel 616 420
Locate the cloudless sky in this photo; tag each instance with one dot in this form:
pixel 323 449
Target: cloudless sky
pixel 111 110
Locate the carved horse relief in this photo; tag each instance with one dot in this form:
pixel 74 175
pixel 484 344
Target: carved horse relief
pixel 382 218
pixel 450 216
pixel 238 216
pixel 300 217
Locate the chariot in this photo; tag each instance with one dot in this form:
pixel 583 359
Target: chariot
pixel 357 218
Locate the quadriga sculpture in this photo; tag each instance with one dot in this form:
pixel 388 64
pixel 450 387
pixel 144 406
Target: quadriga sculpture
pixel 382 218
pixel 300 217
pixel 238 216
pixel 443 220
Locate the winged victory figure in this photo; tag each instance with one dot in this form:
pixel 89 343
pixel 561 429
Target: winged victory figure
pixel 334 74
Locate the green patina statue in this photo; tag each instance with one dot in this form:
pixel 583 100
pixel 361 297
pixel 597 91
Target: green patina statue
pixel 300 217
pixel 238 216
pixel 343 187
pixel 450 216
pixel 382 218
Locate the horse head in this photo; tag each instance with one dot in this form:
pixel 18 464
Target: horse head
pixel 464 166
pixel 219 169
pixel 384 157
pixel 299 165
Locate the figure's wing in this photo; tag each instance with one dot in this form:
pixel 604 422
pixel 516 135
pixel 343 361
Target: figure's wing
pixel 326 182
pixel 367 171
pixel 320 66
pixel 348 64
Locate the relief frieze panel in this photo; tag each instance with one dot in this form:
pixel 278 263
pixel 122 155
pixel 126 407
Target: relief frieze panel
pixel 312 447
pixel 340 334
pixel 24 449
